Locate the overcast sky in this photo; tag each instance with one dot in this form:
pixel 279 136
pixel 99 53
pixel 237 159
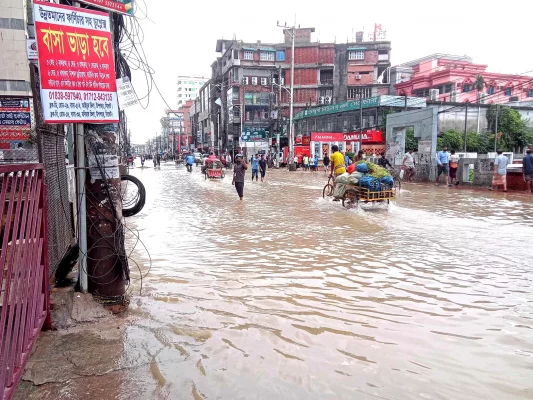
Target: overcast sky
pixel 182 37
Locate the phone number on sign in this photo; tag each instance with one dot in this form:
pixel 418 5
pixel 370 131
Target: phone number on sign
pixel 65 95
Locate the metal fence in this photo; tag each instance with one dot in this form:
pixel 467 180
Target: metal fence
pixel 24 295
pixel 51 146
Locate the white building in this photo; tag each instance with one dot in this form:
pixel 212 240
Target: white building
pixel 188 87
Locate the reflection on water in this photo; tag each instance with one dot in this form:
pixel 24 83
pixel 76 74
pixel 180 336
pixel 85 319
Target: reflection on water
pixel 288 296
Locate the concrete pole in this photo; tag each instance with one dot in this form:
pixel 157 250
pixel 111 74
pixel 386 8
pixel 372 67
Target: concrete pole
pixel 496 130
pixel 360 119
pixel 466 123
pixel 82 211
pixel 292 167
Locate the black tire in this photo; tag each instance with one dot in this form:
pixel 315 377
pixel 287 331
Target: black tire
pixel 347 203
pixel 133 204
pixel 327 191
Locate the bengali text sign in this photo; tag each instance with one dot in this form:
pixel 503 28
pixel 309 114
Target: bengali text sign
pixel 76 64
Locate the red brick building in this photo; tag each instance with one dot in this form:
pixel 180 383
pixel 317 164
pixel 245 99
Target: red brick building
pixel 252 80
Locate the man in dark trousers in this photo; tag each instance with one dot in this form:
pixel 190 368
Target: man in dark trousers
pixel 262 167
pixel 239 170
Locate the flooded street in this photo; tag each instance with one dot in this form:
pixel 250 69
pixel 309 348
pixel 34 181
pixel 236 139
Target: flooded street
pixel 290 296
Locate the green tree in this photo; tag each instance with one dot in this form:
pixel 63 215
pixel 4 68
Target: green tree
pixel 472 142
pixel 411 142
pixel 165 124
pixel 479 84
pixel 511 125
pixel 453 140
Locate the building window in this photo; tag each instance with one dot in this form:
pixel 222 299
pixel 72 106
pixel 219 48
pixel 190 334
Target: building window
pixel 422 93
pixel 466 88
pixel 267 56
pixel 248 55
pixel 235 54
pixel 530 93
pixel 509 92
pixel 447 88
pixel 179 82
pixel 280 55
pixel 353 92
pixel 235 75
pixel 356 55
pixel 491 90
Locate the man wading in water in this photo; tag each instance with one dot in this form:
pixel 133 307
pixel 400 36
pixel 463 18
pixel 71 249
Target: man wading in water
pixel 238 174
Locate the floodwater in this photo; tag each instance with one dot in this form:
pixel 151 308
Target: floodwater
pixel 289 296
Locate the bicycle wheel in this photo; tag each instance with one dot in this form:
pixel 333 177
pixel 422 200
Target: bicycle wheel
pixel 398 183
pixel 327 191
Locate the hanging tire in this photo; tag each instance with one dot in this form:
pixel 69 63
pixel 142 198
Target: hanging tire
pixel 133 194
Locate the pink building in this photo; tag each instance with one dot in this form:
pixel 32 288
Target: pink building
pixel 448 78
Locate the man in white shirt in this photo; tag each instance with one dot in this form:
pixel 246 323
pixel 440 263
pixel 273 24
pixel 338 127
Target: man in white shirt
pixel 409 164
pixel 499 177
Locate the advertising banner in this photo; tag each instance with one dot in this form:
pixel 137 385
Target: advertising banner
pixel 126 94
pixel 254 134
pixel 76 65
pixel 327 137
pixel 118 6
pixel 15 118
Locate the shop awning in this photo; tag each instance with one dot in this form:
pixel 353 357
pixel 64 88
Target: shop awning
pixel 249 48
pixel 357 48
pixel 267 49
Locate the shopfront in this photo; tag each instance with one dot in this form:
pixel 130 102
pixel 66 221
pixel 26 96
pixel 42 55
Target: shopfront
pixel 321 142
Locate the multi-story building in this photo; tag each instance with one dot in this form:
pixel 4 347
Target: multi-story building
pixel 449 78
pixel 252 80
pixel 188 87
pixel 187 138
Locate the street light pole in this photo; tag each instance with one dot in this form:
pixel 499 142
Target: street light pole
pixel 291 31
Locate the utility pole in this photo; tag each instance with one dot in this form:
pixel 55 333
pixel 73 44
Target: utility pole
pixel 496 129
pixel 82 211
pixel 360 119
pixel 466 123
pixel 292 32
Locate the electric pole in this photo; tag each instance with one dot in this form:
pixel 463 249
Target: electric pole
pixel 292 32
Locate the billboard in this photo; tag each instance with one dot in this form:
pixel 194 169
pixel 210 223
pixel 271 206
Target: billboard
pixel 76 64
pixel 118 6
pixel 15 118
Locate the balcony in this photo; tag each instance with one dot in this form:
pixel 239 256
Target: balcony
pixel 326 81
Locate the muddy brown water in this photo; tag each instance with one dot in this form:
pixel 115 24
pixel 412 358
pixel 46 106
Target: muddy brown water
pixel 288 296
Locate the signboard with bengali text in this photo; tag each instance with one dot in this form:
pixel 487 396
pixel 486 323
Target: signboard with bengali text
pixel 15 118
pixel 76 64
pixel 117 6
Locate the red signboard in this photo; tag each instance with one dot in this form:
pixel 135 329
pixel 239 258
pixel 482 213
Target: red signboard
pixel 370 136
pixel 76 64
pixel 119 6
pixel 327 137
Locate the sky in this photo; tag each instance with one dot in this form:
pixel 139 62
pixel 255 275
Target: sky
pixel 180 37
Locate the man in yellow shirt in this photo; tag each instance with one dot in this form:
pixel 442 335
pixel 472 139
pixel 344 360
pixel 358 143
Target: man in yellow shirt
pixel 337 162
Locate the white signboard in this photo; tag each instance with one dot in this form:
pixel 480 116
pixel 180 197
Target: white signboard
pixel 31 48
pixel 126 95
pixel 106 163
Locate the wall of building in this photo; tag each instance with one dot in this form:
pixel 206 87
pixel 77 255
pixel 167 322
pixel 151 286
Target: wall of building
pixel 14 70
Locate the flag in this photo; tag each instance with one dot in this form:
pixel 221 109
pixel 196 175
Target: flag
pixel 218 102
pixel 377 27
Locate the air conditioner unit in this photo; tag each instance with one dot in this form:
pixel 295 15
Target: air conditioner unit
pixel 245 80
pixel 358 77
pixel 482 98
pixel 264 81
pixel 254 80
pixel 434 94
pixel 282 81
pixel 321 100
pixel 327 100
pixel 453 96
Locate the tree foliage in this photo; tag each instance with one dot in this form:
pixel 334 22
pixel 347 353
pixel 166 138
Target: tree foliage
pixel 411 142
pixel 514 132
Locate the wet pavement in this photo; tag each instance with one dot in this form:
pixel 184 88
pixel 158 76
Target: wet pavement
pixel 289 296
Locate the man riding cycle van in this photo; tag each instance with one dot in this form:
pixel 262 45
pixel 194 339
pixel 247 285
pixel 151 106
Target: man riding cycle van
pixel 338 166
pixel 189 161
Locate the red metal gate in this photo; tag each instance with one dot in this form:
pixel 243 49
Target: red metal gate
pixel 24 295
